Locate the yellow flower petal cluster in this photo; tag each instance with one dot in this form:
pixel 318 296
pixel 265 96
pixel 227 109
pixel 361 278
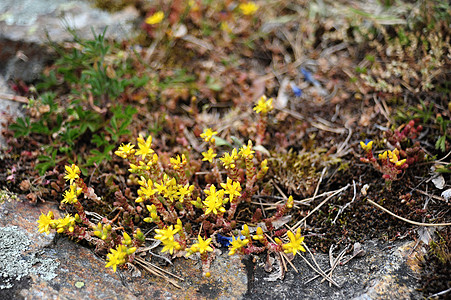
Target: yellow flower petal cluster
pixel 70 196
pixel 177 162
pixel 248 8
pixel 209 155
pixel 155 18
pixel 264 105
pixel 166 236
pixel 125 150
pixel 295 243
pixel 232 188
pixel 393 157
pixel 145 191
pixel 246 152
pixel 260 235
pixel 214 201
pixel 72 173
pixel 118 256
pixel 201 246
pixel 229 159
pixel 144 146
pixel 237 244
pixel 45 222
pixel 366 146
pixel 65 224
pixel 169 188
pixel 208 135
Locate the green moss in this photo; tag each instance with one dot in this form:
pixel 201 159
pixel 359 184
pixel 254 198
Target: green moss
pixel 299 172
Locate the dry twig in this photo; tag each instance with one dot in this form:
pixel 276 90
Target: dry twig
pixel 406 220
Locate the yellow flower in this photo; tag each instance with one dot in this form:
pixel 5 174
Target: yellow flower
pixel 201 246
pixel 166 234
pixel 213 202
pixel 264 105
pixel 248 8
pixel 400 162
pixel 125 150
pixel 72 173
pixel 246 151
pixel 178 162
pixel 229 160
pixel 70 196
pixel 236 244
pixel 185 191
pixel 208 135
pixel 144 146
pixel 232 188
pixel 383 156
pixel 290 202
pixel 155 18
pixel 170 245
pixel 209 155
pixel 393 156
pixel 45 222
pixel 259 236
pixel 66 223
pixel 245 230
pixel 116 257
pixel 295 243
pixel 179 225
pixel 366 146
pixel 145 191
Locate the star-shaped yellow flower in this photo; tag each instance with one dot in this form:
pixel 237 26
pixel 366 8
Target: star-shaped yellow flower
pixel 72 173
pixel 295 243
pixel 45 222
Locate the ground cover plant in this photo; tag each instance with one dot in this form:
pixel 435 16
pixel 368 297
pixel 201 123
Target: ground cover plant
pixel 288 120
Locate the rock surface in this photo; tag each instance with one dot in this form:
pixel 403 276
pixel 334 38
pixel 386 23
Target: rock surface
pixel 48 266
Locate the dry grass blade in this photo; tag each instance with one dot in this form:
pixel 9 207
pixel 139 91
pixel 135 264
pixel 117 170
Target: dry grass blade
pixel 296 226
pixel 157 271
pixel 16 98
pixel 319 271
pixel 406 220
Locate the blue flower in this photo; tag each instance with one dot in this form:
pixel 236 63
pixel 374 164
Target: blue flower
pixel 297 91
pixel 309 77
pixel 225 241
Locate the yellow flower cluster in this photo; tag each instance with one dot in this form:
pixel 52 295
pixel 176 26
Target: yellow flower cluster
pixel 155 18
pixel 246 152
pixel 170 189
pixel 295 243
pixel 47 222
pixel 102 231
pixel 393 157
pixel 236 244
pixel 248 8
pixel 229 159
pixel 366 146
pixel 72 173
pixel 70 196
pixel 208 135
pixel 119 256
pixel 125 150
pixel 202 246
pixel 293 246
pixel 209 155
pixel 264 105
pixel 178 163
pixel 166 236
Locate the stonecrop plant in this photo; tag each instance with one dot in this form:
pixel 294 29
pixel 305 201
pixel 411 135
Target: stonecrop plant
pixel 192 213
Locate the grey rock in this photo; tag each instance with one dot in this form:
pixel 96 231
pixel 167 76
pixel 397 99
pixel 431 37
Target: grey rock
pixel 25 26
